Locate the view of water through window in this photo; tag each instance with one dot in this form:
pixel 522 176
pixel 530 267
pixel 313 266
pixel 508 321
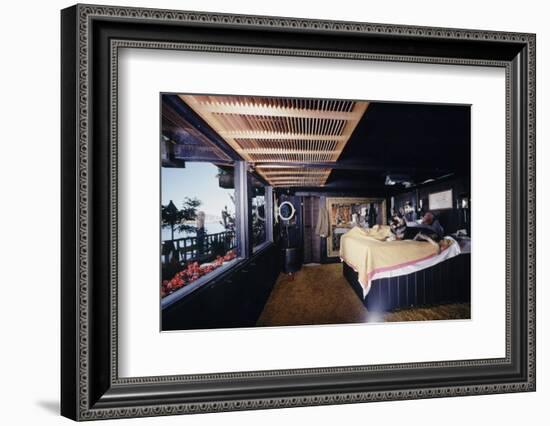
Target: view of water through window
pixel 198 222
pixel 197 181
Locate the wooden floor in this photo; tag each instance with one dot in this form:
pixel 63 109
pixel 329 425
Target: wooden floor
pixel 320 294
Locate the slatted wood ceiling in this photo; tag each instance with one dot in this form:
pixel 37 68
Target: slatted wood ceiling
pixel 282 130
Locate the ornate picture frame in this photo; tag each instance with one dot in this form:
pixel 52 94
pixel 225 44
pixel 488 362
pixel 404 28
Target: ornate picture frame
pixel 91 37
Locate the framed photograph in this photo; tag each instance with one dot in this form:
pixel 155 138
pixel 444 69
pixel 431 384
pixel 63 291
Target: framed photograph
pixel 263 212
pixel 441 200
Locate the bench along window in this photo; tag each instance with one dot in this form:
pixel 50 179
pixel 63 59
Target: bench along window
pixel 199 230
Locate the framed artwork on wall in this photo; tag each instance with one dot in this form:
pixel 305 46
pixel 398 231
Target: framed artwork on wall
pixel 183 133
pixel 441 200
pixel 345 213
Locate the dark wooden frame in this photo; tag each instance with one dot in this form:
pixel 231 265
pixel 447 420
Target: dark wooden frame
pixel 91 37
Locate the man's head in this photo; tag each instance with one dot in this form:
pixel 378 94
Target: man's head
pixel 428 218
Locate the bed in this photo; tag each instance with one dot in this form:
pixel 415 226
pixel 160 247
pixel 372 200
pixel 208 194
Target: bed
pixel 387 275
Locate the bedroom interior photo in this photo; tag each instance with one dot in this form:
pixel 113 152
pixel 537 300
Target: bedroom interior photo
pixel 281 211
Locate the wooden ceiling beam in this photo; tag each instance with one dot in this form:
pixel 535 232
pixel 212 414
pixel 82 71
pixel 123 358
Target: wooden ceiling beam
pixel 299 184
pixel 249 134
pixel 302 176
pixel 317 179
pixel 273 175
pixel 287 151
pixel 273 111
pixel 296 177
pixel 281 182
pixel 287 161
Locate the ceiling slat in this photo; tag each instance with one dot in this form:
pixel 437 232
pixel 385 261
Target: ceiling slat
pixel 274 111
pixel 247 134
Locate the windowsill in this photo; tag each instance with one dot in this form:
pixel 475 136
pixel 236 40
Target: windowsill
pixel 206 279
pixel 200 282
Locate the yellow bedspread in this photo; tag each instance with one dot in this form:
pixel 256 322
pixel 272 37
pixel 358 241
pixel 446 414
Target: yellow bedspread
pixel 366 251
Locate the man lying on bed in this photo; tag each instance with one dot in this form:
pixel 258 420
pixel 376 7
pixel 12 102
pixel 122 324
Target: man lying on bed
pixel 430 223
pixel 429 230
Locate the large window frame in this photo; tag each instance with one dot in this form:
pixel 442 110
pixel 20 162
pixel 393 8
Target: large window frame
pixel 243 212
pixel 243 231
pixel 268 211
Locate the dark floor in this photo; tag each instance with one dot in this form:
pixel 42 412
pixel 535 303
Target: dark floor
pixel 320 294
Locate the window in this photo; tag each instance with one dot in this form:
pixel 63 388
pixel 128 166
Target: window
pixel 204 208
pixel 258 212
pixel 198 213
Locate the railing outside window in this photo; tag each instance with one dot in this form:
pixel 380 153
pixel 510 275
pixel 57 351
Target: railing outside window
pixel 199 248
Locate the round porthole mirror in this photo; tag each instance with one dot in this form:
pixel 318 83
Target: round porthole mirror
pixel 286 210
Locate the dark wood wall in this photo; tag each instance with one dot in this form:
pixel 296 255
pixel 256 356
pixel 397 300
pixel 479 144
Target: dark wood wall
pixel 291 231
pixel 450 219
pixel 235 299
pixel 312 241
